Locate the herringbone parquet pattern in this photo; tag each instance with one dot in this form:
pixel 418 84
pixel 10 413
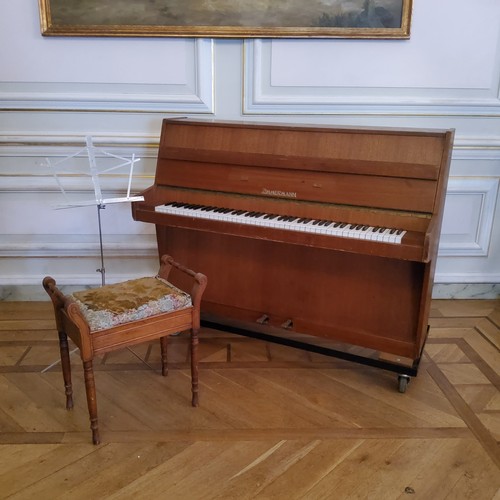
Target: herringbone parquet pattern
pixel 273 422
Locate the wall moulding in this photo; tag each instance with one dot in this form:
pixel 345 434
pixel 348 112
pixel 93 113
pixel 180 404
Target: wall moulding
pixel 24 161
pixel 194 93
pixel 468 217
pixel 22 145
pixel 16 144
pixel 77 246
pixel 17 173
pixel 275 85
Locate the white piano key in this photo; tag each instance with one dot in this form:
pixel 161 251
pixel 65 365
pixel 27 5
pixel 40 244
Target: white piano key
pixel 330 228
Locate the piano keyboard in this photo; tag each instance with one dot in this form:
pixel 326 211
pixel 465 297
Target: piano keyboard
pixel 290 223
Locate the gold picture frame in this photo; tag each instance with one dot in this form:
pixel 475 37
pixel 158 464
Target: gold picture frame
pixel 227 18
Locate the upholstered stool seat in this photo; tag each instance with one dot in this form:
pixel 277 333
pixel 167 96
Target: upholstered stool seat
pixel 112 305
pixel 116 316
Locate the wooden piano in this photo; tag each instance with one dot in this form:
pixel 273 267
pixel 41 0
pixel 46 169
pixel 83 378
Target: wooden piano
pixel 323 238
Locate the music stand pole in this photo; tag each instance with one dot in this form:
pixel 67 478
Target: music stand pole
pixel 102 270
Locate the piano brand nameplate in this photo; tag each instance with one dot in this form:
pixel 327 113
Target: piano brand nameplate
pixel 278 193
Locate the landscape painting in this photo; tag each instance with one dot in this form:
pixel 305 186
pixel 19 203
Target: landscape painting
pixel 227 18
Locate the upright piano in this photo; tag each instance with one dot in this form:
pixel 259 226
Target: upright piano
pixel 318 237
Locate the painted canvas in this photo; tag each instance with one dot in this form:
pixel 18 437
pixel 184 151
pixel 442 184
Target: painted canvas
pixel 230 18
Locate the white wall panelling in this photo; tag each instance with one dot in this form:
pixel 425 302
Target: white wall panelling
pixel 100 74
pixel 185 84
pixel 468 217
pixel 55 91
pixel 264 95
pixel 450 65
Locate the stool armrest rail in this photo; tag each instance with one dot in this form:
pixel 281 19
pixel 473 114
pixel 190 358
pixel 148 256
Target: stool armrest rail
pixel 64 303
pixel 198 287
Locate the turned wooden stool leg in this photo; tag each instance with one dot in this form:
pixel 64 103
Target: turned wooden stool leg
pixel 164 355
pixel 88 373
pixel 66 369
pixel 194 366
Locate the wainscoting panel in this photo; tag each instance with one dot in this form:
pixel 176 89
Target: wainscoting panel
pixel 55 91
pixel 368 77
pixel 101 74
pixel 468 217
pixel 187 86
pixel 37 239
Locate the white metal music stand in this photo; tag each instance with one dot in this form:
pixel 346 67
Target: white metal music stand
pixel 91 152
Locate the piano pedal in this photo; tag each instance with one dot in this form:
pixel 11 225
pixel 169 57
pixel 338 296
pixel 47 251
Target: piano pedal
pixel 263 320
pixel 287 324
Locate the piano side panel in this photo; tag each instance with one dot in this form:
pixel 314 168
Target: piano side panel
pixel 369 301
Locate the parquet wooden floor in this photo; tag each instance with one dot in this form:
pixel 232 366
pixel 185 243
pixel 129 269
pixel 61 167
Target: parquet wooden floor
pixel 273 422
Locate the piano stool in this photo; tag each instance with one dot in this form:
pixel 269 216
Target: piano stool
pixel 116 316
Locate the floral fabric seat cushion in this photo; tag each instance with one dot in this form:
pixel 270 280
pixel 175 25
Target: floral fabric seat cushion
pixel 133 300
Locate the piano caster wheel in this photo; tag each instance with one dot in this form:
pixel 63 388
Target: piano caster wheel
pixel 403 381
